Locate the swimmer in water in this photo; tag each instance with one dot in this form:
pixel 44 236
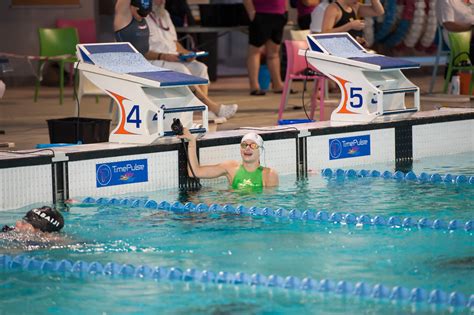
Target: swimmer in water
pixel 37 229
pixel 44 219
pixel 247 173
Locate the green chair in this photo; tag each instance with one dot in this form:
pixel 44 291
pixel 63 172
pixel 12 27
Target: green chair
pixel 459 43
pixel 58 44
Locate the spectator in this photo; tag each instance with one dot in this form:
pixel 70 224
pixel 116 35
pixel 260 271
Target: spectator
pixel 180 13
pixel 304 9
pixel 317 16
pixel 341 16
pixel 456 16
pixel 163 39
pixel 268 18
pixel 130 25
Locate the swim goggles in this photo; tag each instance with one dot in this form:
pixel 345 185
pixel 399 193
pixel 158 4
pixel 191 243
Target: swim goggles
pixel 252 145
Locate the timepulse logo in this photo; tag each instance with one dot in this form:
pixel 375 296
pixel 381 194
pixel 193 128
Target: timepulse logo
pixel 348 147
pixel 119 173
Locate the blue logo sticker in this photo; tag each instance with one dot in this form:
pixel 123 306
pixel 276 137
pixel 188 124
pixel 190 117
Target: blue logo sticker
pixel 120 173
pixel 349 147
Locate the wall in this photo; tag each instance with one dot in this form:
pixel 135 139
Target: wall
pixel 18 32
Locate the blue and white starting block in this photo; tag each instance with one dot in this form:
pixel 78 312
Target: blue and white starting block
pixel 371 85
pixel 148 97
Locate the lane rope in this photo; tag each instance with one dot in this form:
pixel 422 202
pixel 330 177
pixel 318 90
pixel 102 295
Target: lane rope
pixel 127 271
pixel 293 214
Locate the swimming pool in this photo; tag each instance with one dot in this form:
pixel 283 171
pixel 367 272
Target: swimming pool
pixel 409 257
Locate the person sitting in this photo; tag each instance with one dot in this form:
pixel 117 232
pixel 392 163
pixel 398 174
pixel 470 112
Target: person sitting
pixel 130 26
pixel 249 173
pixel 163 39
pixel 456 16
pixel 38 220
pixel 341 16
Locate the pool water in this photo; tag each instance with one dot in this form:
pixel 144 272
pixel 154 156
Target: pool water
pixel 409 257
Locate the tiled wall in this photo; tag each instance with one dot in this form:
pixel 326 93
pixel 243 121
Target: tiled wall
pixel 443 138
pixel 162 173
pixel 20 186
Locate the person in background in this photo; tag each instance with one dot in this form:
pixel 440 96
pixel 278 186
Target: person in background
pixel 342 16
pixel 130 26
pixel 456 16
pixel 180 13
pixel 317 16
pixel 163 39
pixel 249 173
pixel 268 18
pixel 2 88
pixel 304 9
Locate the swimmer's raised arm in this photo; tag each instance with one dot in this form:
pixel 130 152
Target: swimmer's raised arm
pixel 207 171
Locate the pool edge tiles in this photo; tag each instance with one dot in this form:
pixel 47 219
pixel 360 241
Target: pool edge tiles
pixel 433 139
pixel 124 174
pixel 25 185
pixel 289 149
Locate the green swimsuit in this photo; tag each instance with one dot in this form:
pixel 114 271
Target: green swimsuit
pixel 244 178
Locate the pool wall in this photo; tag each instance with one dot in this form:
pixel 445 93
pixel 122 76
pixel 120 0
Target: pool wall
pixel 107 169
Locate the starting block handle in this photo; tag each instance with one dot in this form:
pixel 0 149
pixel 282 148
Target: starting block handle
pixel 195 130
pixel 184 109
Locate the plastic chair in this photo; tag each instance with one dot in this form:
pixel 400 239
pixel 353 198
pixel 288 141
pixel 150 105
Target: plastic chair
pixel 296 66
pixel 86 30
pixel 56 42
pixel 459 42
pixel 441 51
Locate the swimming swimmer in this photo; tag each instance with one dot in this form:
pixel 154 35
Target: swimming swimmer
pixel 249 173
pixel 36 230
pixel 44 219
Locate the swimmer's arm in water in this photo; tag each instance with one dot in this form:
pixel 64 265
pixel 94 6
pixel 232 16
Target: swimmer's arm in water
pixel 207 171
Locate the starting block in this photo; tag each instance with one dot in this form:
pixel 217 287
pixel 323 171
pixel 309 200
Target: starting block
pixel 148 97
pixel 371 85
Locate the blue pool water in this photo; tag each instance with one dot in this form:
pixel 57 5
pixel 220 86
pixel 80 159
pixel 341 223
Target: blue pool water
pixel 409 257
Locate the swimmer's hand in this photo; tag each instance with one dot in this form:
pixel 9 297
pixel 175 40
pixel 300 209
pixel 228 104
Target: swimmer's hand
pixel 187 135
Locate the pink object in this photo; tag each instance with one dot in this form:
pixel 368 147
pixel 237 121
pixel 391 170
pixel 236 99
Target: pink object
pixel 296 65
pixel 303 9
pixel 85 29
pixel 270 6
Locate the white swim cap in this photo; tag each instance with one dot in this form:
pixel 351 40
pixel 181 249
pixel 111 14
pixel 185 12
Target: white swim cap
pixel 252 136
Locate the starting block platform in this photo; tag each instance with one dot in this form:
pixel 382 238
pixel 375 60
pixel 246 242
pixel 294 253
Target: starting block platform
pixel 148 97
pixel 371 85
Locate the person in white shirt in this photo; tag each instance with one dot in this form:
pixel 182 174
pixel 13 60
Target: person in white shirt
pixel 164 41
pixel 456 16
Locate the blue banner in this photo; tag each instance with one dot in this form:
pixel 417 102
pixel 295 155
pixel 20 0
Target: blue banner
pixel 349 147
pixel 120 173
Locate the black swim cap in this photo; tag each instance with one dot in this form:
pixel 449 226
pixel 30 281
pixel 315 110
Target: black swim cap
pixel 144 6
pixel 45 219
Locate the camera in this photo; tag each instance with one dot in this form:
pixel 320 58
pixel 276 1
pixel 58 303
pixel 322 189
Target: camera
pixel 177 126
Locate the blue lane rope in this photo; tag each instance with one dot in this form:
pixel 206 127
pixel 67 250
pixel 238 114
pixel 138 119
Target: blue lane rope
pixel 128 271
pixel 294 214
pixel 400 176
